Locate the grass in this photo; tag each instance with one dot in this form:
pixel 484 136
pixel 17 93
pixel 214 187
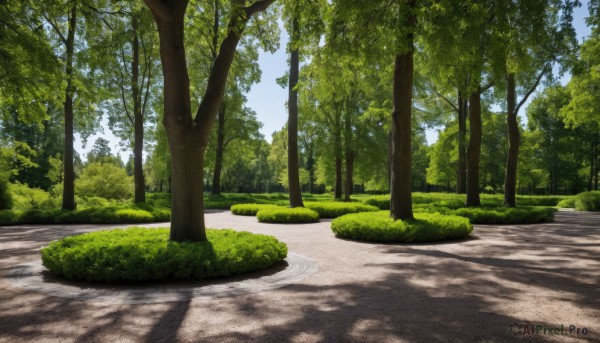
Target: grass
pixel 144 254
pixel 379 227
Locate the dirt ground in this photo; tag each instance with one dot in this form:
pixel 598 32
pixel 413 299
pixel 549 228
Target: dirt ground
pixel 544 275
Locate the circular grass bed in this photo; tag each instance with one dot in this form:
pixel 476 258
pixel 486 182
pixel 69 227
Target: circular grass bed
pixel 379 227
pixel 145 254
pixel 334 209
pixel 249 209
pixel 287 215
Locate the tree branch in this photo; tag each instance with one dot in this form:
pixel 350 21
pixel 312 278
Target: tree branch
pixel 56 29
pixel 448 101
pixel 256 7
pixel 532 89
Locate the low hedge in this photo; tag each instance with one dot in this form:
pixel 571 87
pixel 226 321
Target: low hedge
pixel 379 227
pixel 506 215
pixel 334 209
pixel 145 254
pixel 567 203
pixel 287 215
pixel 588 201
pixel 103 215
pixel 249 209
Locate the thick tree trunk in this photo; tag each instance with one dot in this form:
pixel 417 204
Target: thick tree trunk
pixel 349 184
pixel 187 136
pixel 187 153
pixel 401 181
pixel 68 202
pixel 187 214
pixel 510 179
pixel 216 182
pixel 293 167
pixel 138 145
pixel 461 175
pixel 474 150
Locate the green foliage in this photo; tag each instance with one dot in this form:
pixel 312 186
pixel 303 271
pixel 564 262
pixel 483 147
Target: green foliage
pixel 287 215
pixel 104 180
pixel 334 209
pixel 507 215
pixel 379 227
pixel 249 209
pixel 31 198
pixel 144 254
pixel 567 203
pixel 587 201
pixel 94 215
pixel 6 201
pixel 454 201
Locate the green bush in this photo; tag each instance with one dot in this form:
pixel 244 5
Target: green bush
pixel 506 215
pixel 567 203
pixel 9 217
pixel 144 254
pixel 31 198
pixel 334 209
pixel 249 209
pixel 105 180
pixel 101 215
pixel 379 227
pixel 6 201
pixel 287 215
pixel 588 201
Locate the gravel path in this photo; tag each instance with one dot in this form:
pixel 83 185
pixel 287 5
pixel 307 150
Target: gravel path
pixel 544 275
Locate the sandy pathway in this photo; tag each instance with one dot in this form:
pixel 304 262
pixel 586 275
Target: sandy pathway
pixel 544 275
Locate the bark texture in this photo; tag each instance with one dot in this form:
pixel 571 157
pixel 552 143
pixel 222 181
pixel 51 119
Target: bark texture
pixel 216 182
pixel 514 140
pixel 295 192
pixel 68 202
pixel 474 150
pixel 461 175
pixel 138 126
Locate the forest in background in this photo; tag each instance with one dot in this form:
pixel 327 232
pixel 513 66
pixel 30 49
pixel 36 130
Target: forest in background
pixel 103 58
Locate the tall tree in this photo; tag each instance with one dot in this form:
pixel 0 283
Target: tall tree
pixel 188 136
pixel 532 35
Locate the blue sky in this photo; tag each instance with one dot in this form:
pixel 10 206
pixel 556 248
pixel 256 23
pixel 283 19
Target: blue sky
pixel 268 99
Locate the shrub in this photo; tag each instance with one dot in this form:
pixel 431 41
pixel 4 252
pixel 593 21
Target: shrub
pixel 249 209
pixel 144 254
pixel 334 209
pixel 287 215
pixel 9 217
pixel 6 201
pixel 381 201
pixel 588 201
pixel 31 198
pixel 104 180
pixel 102 215
pixel 379 227
pixel 506 215
pixel 567 203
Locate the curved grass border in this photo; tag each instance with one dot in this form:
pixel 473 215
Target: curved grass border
pixel 287 215
pixel 146 254
pixel 379 227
